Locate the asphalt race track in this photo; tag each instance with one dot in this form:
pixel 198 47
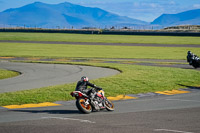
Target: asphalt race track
pixel 35 75
pixel 149 114
pixel 162 114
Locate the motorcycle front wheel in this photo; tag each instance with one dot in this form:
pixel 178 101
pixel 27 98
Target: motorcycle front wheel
pixel 109 105
pixel 83 106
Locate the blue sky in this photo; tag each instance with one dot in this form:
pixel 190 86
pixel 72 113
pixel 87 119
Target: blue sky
pixel 146 10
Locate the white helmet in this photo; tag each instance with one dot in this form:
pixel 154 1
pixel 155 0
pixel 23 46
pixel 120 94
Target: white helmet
pixel 84 78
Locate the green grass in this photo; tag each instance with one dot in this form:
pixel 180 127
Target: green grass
pixel 91 51
pixel 133 80
pixel 7 74
pixel 98 38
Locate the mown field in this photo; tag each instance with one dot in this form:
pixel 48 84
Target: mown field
pixel 98 38
pixel 134 79
pixel 92 51
pixel 7 74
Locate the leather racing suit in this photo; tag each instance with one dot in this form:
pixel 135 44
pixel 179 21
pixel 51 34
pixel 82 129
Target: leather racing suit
pixel 82 86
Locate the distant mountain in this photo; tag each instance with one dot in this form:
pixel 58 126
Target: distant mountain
pixel 63 15
pixel 191 17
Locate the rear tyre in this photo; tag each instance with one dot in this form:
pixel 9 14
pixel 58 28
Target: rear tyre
pixel 109 105
pixel 83 107
pixel 195 66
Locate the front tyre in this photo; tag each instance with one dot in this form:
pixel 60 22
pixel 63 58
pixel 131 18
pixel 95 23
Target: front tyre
pixel 109 105
pixel 83 106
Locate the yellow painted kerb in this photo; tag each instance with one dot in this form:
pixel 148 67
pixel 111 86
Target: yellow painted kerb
pixel 31 105
pixel 121 97
pixel 173 92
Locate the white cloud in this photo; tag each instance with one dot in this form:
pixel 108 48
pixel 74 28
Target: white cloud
pixel 172 3
pixel 196 5
pixel 136 4
pixel 153 5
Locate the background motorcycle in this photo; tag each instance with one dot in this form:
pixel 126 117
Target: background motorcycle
pixel 96 101
pixel 193 60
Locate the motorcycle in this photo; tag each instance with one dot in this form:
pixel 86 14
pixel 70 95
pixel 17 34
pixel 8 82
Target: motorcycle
pixel 95 102
pixel 193 60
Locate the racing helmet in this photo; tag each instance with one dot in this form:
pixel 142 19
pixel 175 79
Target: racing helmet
pixel 84 78
pixel 189 52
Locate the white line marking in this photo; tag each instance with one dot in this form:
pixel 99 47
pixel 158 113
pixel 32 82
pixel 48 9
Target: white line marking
pixel 72 119
pixel 183 100
pixel 174 131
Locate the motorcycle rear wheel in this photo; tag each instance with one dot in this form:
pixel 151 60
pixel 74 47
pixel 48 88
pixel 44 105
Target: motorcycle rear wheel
pixel 195 65
pixel 109 105
pixel 82 107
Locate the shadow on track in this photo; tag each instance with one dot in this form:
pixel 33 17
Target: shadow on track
pixel 190 87
pixel 49 111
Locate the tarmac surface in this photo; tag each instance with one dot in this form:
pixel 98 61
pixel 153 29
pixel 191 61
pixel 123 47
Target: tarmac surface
pixel 37 75
pixel 158 114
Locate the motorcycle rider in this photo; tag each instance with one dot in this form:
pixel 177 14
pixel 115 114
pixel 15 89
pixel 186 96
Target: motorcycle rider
pixel 191 57
pixel 83 84
pixel 94 97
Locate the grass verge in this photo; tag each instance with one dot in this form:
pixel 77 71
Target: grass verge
pixel 92 51
pixel 7 74
pixel 134 79
pixel 98 38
